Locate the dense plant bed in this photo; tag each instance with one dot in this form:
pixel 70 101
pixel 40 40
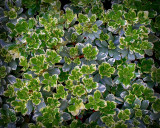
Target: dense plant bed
pixel 85 64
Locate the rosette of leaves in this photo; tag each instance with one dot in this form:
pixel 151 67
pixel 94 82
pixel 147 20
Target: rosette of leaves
pixel 76 74
pixel 138 113
pixel 79 90
pixel 141 92
pixel 38 64
pixel 33 84
pixel 49 81
pixel 50 117
pixel 20 106
pixel 109 109
pixel 10 91
pixel 155 106
pixel 88 69
pixel 114 17
pixel 146 65
pixel 35 97
pixel 2 72
pixel 73 51
pixel 60 92
pixel 90 52
pixel 52 57
pixel 75 106
pixel 7 116
pixel 126 73
pixel 124 114
pixel 89 83
pixel 105 69
pixel 95 101
pixel 136 40
pixel 6 55
pixel 108 120
pixel 69 16
pixel 155 74
pixel 63 76
pixel 87 23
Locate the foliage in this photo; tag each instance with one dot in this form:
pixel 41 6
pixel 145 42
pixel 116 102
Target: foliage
pixel 84 66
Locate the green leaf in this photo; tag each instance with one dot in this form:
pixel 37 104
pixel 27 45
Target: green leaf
pixel 79 29
pixel 137 89
pixel 82 18
pixel 31 23
pixel 50 117
pixel 69 15
pixel 20 106
pixel 22 27
pixel 63 76
pixel 146 65
pixel 35 97
pixel 95 28
pixel 3 72
pixel 11 26
pixel 97 94
pixel 109 109
pixel 86 69
pixel 23 94
pixel 75 74
pixel 53 102
pixel 155 75
pixel 120 124
pixel 79 90
pixel 111 45
pixel 95 102
pixel 27 76
pixel 24 63
pixel 19 83
pixel 76 105
pixel 10 91
pixel 143 17
pixel 148 94
pixel 7 116
pixel 38 64
pixel 89 83
pixel 130 98
pixel 108 120
pixel 93 18
pixel 52 57
pixel 104 36
pixel 90 52
pixel 34 84
pixel 73 51
pixel 67 60
pixel 138 113
pixel 146 119
pixel 74 36
pixel 105 69
pixel 124 114
pixel 155 106
pixel 131 16
pixel 61 93
pixel 126 73
pixel 69 84
pixel 77 61
pixel 12 14
pixel 49 81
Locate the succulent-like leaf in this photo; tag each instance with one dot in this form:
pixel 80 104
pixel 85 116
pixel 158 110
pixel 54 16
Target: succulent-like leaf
pixel 90 52
pixel 105 69
pixel 126 73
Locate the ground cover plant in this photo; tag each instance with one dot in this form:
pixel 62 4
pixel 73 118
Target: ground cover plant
pixel 79 64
